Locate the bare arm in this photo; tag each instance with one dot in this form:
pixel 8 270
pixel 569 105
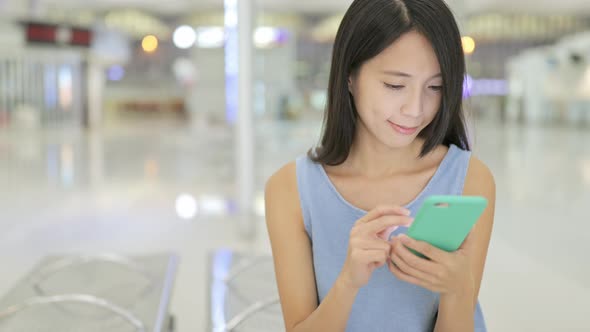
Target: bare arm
pixel 293 259
pixel 455 312
pixel 292 256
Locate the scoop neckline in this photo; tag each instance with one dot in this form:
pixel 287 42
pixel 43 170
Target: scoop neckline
pixel 409 205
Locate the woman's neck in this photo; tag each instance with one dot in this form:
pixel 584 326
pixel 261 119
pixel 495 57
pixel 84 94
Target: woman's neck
pixel 372 159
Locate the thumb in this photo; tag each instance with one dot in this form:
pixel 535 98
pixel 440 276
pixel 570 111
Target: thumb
pixel 386 233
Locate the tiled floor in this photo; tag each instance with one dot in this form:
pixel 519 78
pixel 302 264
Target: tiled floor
pixel 115 191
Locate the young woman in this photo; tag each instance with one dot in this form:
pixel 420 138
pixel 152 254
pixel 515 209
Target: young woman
pixel 394 134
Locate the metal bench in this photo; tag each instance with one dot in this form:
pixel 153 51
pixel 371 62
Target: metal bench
pixel 243 293
pixel 92 293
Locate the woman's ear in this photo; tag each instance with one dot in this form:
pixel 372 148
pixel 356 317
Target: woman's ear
pixel 350 87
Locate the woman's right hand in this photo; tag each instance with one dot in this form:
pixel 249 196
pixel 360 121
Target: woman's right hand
pixel 368 247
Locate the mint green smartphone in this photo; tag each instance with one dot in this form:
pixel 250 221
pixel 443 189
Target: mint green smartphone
pixel 445 221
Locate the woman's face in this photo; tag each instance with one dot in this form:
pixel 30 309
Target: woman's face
pixel 398 92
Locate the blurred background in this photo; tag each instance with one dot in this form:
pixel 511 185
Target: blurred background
pixel 133 157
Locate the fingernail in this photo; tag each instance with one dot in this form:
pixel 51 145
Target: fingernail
pixel 386 234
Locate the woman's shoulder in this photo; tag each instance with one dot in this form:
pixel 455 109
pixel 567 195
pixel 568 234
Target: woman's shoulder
pixel 479 179
pixel 288 176
pixel 284 178
pixel 281 194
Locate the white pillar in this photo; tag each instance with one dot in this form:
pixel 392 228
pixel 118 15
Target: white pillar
pixel 239 49
pixel 96 81
pixel 95 150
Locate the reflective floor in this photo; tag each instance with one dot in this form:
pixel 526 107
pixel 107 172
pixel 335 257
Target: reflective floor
pixel 167 187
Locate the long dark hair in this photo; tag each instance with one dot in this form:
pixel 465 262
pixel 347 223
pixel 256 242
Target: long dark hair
pixel 369 27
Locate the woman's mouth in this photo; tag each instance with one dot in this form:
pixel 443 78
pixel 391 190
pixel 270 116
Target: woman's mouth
pixel 403 129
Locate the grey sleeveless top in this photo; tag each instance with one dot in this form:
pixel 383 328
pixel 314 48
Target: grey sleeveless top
pixel 385 303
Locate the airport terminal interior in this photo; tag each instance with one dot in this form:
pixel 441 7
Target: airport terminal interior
pixel 136 138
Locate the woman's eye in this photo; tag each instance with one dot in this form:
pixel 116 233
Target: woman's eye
pixel 393 86
pixel 436 87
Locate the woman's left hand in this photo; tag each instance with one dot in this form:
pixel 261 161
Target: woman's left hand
pixel 444 272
